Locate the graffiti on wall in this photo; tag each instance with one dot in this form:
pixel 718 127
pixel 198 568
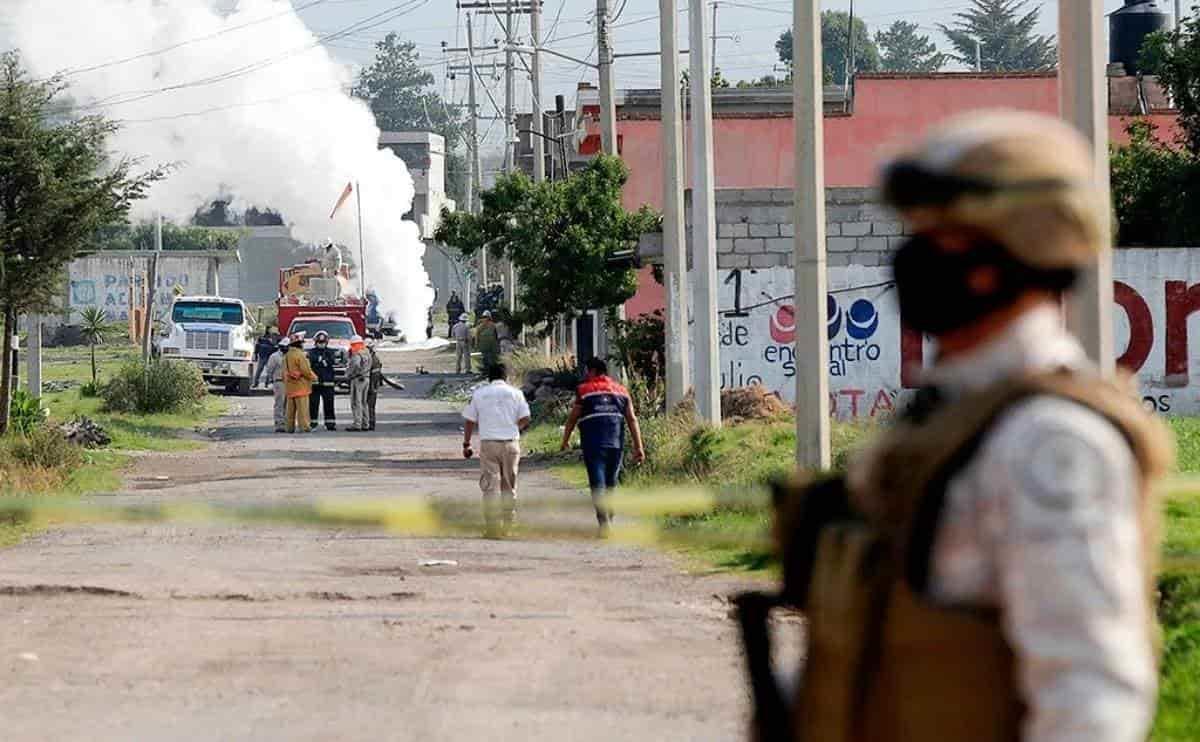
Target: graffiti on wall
pixel 874 361
pixel 106 283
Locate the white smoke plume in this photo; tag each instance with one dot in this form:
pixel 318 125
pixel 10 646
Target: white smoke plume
pixel 247 103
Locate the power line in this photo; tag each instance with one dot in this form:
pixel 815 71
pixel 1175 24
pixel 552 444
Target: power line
pixel 396 11
pixel 180 45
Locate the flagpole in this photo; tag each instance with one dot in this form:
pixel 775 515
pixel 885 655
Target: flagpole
pixel 362 261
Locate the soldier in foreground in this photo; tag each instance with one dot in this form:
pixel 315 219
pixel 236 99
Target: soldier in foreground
pixel 985 570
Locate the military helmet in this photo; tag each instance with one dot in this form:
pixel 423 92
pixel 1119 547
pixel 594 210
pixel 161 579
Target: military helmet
pixel 1024 179
pixel 321 337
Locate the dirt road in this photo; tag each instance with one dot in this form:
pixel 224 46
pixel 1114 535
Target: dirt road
pixel 206 633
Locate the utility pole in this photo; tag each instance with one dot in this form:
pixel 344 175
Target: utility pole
pixel 608 105
pixel 978 56
pixel 535 80
pixel 151 281
pixel 808 257
pixel 473 121
pixel 714 38
pixel 1178 14
pixel 33 357
pixel 674 239
pixel 1083 103
pixel 704 225
pixel 509 89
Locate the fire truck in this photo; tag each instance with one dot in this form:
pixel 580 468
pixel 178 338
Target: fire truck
pixel 311 301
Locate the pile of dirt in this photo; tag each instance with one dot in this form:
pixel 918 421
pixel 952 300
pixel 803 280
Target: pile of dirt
pixel 752 402
pixel 739 405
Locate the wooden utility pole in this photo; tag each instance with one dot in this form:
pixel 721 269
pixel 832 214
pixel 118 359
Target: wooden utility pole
pixel 34 354
pixel 535 81
pixel 1083 102
pixel 674 238
pixel 704 224
pixel 808 256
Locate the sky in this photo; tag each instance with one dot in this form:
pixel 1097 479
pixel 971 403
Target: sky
pixel 567 27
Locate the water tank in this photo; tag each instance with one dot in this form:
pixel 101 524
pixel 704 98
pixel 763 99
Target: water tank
pixel 1129 26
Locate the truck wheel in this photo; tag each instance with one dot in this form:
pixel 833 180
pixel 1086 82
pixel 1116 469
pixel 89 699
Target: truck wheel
pixel 243 387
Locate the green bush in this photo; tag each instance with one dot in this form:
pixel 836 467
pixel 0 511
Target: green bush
pixel 158 386
pixel 26 412
pixel 43 446
pixel 89 390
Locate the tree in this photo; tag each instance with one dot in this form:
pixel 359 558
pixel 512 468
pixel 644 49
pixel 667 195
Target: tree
pixel 59 184
pixel 1154 188
pixel 835 46
pixel 904 50
pixel 1003 35
pixel 141 237
pixel 576 225
pixel 1175 58
pixel 401 94
pixel 94 324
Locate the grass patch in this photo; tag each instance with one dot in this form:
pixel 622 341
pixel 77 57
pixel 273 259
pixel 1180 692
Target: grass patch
pixel 100 470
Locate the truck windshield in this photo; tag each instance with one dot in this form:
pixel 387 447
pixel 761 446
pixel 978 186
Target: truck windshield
pixel 191 311
pixel 337 329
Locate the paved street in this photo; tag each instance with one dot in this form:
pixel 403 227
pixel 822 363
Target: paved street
pixel 190 632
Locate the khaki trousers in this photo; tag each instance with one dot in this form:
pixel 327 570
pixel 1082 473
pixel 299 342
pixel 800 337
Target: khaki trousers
pixel 280 405
pixel 358 403
pixel 499 463
pixel 296 414
pixel 462 358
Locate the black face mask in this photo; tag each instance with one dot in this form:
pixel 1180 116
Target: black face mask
pixel 933 288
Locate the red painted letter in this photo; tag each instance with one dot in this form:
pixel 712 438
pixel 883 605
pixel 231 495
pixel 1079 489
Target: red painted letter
pixel 1181 302
pixel 1141 326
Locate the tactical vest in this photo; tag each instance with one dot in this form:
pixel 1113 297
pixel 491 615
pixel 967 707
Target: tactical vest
pixel 884 663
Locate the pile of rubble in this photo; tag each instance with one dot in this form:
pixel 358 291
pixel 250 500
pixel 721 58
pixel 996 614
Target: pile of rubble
pixel 547 385
pixel 53 387
pixel 738 405
pixel 83 431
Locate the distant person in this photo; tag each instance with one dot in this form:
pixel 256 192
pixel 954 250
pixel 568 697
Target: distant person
pixel 323 360
pixel 602 410
pixel 298 378
pixel 358 373
pixel 274 374
pixel 376 379
pixel 499 412
pixel 487 339
pixel 454 307
pixel 264 348
pixel 461 334
pixel 331 260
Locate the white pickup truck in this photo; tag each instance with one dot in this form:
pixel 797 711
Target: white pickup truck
pixel 216 334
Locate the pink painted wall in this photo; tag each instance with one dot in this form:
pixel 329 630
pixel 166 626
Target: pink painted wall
pixel 889 113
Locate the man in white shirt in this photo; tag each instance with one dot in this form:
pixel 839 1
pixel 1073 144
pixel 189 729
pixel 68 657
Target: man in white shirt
pixel 500 413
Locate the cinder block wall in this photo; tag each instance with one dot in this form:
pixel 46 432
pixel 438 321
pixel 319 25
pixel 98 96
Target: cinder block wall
pixel 754 228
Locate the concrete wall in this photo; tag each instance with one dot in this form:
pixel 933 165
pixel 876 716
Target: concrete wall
pixel 103 279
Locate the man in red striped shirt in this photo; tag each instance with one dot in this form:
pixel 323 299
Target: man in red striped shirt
pixel 602 410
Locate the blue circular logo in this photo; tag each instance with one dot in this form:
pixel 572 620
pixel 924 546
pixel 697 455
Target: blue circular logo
pixel 833 316
pixel 862 320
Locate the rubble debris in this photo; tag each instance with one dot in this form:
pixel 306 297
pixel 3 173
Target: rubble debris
pixel 83 431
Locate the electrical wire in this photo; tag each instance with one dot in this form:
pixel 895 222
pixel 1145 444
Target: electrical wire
pixel 403 8
pixel 188 42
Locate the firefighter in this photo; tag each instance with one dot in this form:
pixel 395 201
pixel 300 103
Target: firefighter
pixel 376 378
pixel 323 360
pixel 298 377
pixel 358 373
pixel 984 571
pixel 331 260
pixel 274 374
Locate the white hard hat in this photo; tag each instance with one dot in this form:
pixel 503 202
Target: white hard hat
pixel 464 317
pixel 284 342
pixel 487 313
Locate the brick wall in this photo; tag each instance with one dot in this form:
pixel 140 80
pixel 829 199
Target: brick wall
pixel 754 228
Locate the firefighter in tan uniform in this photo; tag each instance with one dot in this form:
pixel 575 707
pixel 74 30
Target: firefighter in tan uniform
pixel 983 571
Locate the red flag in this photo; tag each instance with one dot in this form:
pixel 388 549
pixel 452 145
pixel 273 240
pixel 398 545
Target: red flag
pixel 345 195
